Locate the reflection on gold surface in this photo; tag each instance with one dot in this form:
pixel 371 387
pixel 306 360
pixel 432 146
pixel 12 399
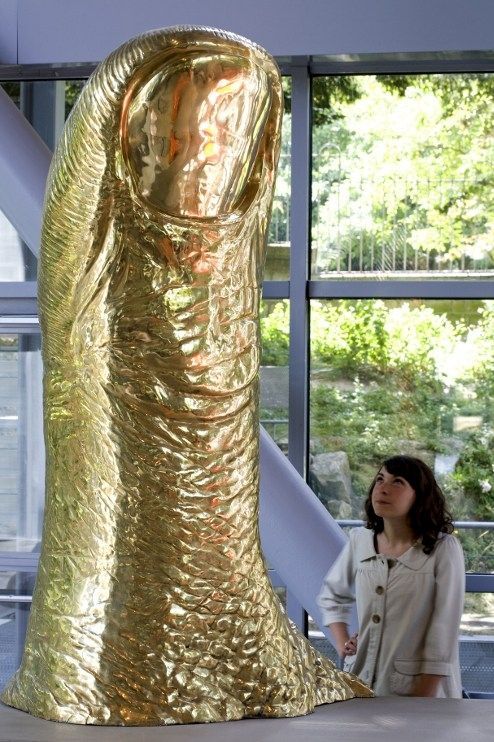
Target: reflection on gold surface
pixel 152 603
pixel 192 133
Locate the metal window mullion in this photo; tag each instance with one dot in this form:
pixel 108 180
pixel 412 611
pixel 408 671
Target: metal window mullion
pixel 43 104
pixel 299 272
pixel 378 65
pixel 19 307
pixel 275 289
pixel 333 64
pixel 479 583
pixel 18 289
pixel 19 326
pixel 299 269
pixel 398 289
pixel 15 561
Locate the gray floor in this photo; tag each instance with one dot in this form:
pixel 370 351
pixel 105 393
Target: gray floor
pixel 361 720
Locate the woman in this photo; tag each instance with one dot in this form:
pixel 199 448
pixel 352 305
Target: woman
pixel 405 571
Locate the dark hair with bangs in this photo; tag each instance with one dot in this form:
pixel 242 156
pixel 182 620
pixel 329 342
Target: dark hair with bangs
pixel 428 514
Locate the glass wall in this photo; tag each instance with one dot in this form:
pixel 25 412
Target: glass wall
pixel 378 314
pixel 275 322
pixel 402 175
pixel 17 263
pixel 401 305
pixel 42 102
pixel 16 589
pixel 21 443
pixel 413 377
pixel 277 266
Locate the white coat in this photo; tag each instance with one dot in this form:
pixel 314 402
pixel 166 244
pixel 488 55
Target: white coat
pixel 409 612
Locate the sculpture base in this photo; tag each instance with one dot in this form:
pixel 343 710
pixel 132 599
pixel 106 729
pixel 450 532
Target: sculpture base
pixel 386 719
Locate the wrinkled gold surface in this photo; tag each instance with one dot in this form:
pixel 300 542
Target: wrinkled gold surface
pixel 152 603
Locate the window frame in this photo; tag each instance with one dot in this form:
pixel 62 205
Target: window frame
pixel 18 311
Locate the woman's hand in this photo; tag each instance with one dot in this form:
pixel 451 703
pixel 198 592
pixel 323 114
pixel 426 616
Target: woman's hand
pixel 350 646
pixel 345 644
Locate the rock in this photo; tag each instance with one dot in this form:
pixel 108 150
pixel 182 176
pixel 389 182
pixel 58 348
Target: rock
pixel 338 509
pixel 274 388
pixel 330 479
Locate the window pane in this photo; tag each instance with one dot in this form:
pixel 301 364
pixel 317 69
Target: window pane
pixel 402 176
pixel 281 593
pixel 21 443
pixel 478 615
pixel 477 643
pixel 274 369
pixel 44 106
pixel 277 266
pixel 410 377
pixel 13 620
pixel 478 546
pixel 321 643
pixel 72 91
pixel 17 262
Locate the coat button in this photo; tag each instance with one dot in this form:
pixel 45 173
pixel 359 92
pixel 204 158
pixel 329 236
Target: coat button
pixel 379 589
pixel 376 618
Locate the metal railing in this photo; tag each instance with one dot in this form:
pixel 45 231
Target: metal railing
pixel 460 524
pixel 353 232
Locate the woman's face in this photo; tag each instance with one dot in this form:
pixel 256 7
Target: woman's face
pixel 392 496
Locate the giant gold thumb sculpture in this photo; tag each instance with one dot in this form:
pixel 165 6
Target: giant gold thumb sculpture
pixel 152 602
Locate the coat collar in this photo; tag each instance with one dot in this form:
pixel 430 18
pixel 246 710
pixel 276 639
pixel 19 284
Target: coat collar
pixel 414 558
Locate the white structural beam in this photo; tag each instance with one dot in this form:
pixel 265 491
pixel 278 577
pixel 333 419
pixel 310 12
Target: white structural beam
pixel 24 163
pixel 299 537
pixel 58 31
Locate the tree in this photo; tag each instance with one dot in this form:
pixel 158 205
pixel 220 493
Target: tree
pixel 403 176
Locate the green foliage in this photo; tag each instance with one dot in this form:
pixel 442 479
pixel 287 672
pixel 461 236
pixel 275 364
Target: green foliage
pixel 402 180
pixel 350 336
pixel 471 489
pixel 279 224
pixel 402 173
pixel 328 93
pixel 376 384
pixel 454 90
pixel 371 338
pixel 474 474
pixel 72 92
pixel 275 322
pixel 392 377
pixel 370 423
pixel 286 83
pixel 483 370
pixel 13 90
